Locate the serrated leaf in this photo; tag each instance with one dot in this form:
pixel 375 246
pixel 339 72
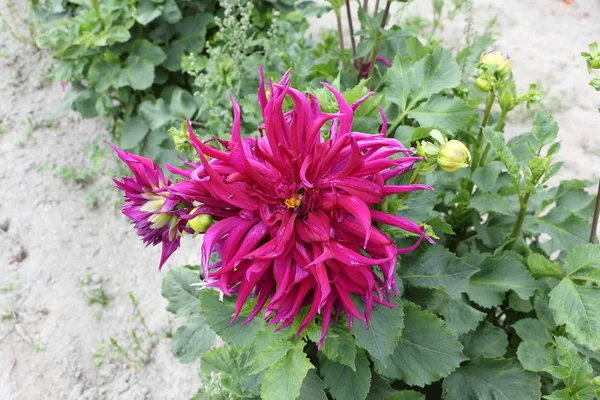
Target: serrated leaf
pixel 231 365
pixel 483 379
pixel 497 276
pixel 426 352
pixel 518 304
pixel 133 133
pixel 580 369
pixel 496 139
pixel 339 347
pixel 183 104
pixel 105 75
pixel 436 268
pixel 535 356
pixel 406 395
pixel 178 290
pixel 218 315
pixel 485 177
pixel 541 267
pixel 270 355
pixel 490 202
pixel 458 314
pixel 486 341
pixel 451 113
pixel 577 308
pixel 380 388
pixel 140 72
pixel 544 128
pixel 398 82
pixel 156 114
pixel 380 338
pixel 192 340
pixel 531 329
pixel 582 258
pixel 566 229
pixel 434 73
pixel 284 379
pixel 313 388
pixel 343 382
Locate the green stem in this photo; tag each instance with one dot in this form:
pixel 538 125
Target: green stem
pixel 381 82
pixel 596 215
pixel 351 28
pixel 521 217
pixel 414 179
pixel 498 128
pixel 373 60
pixel 480 139
pixel 398 122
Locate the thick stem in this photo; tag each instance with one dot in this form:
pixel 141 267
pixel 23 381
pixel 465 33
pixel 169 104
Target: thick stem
pixel 386 12
pixel 396 124
pixel 596 215
pixel 373 61
pixel 376 10
pixel 521 217
pixel 366 6
pixel 480 139
pixel 351 27
pixel 338 19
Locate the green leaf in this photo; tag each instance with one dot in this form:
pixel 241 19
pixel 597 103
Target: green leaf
pixel 518 304
pixel 485 177
pixel 535 356
pixel 451 113
pixel 380 338
pixel 178 290
pixel 134 132
pixel 313 388
pixel 531 329
pixel 406 395
pixel 192 340
pixel 490 202
pixel 579 368
pixel 270 355
pixel 105 75
pixel 171 12
pixel 398 81
pixel 567 230
pixel 486 341
pixel 183 104
pixel 434 73
pixel 497 276
pixel 582 258
pixel 426 352
pixel 284 379
pixel 436 268
pixel 339 347
pixel 380 388
pixel 218 315
pixel 544 129
pixel 343 382
pixel 231 365
pixel 496 139
pixel 483 379
pixel 458 314
pixel 140 72
pixel 541 267
pixel 577 308
pixel 147 11
pixel 156 114
pixel 148 51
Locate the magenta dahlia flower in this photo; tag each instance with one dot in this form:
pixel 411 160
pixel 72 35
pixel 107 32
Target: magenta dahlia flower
pixel 157 216
pixel 294 219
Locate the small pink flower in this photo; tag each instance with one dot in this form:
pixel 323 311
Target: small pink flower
pixel 156 214
pixel 367 67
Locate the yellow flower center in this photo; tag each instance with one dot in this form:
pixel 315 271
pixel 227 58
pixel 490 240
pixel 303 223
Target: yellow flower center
pixel 293 201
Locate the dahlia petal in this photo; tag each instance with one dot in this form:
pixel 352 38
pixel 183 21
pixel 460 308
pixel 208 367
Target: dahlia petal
pixel 402 223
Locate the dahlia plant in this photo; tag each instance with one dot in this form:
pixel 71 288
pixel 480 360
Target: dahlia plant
pixel 330 266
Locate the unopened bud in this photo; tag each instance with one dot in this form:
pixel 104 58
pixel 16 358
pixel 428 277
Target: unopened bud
pixel 595 381
pixel 507 100
pixel 483 84
pixel 201 222
pixel 498 60
pixel 454 156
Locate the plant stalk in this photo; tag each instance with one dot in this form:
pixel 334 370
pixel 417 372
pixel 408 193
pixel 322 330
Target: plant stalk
pixel 366 6
pixel 521 217
pixel 376 10
pixel 351 27
pixel 386 12
pixel 480 139
pixel 498 128
pixel 593 235
pixel 338 19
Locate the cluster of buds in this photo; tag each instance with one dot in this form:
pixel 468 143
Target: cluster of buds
pixel 592 58
pixel 181 138
pixel 450 155
pixel 493 67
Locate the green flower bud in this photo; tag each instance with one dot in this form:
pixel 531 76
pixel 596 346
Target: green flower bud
pixel 201 222
pixel 507 100
pixel 483 84
pixel 499 61
pixel 596 63
pixel 454 156
pixel 595 381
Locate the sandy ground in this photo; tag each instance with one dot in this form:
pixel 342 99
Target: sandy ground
pixel 50 240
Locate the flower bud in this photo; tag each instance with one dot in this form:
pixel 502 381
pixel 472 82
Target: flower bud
pixel 483 84
pixel 595 381
pixel 596 62
pixel 499 61
pixel 454 156
pixel 507 100
pixel 201 222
